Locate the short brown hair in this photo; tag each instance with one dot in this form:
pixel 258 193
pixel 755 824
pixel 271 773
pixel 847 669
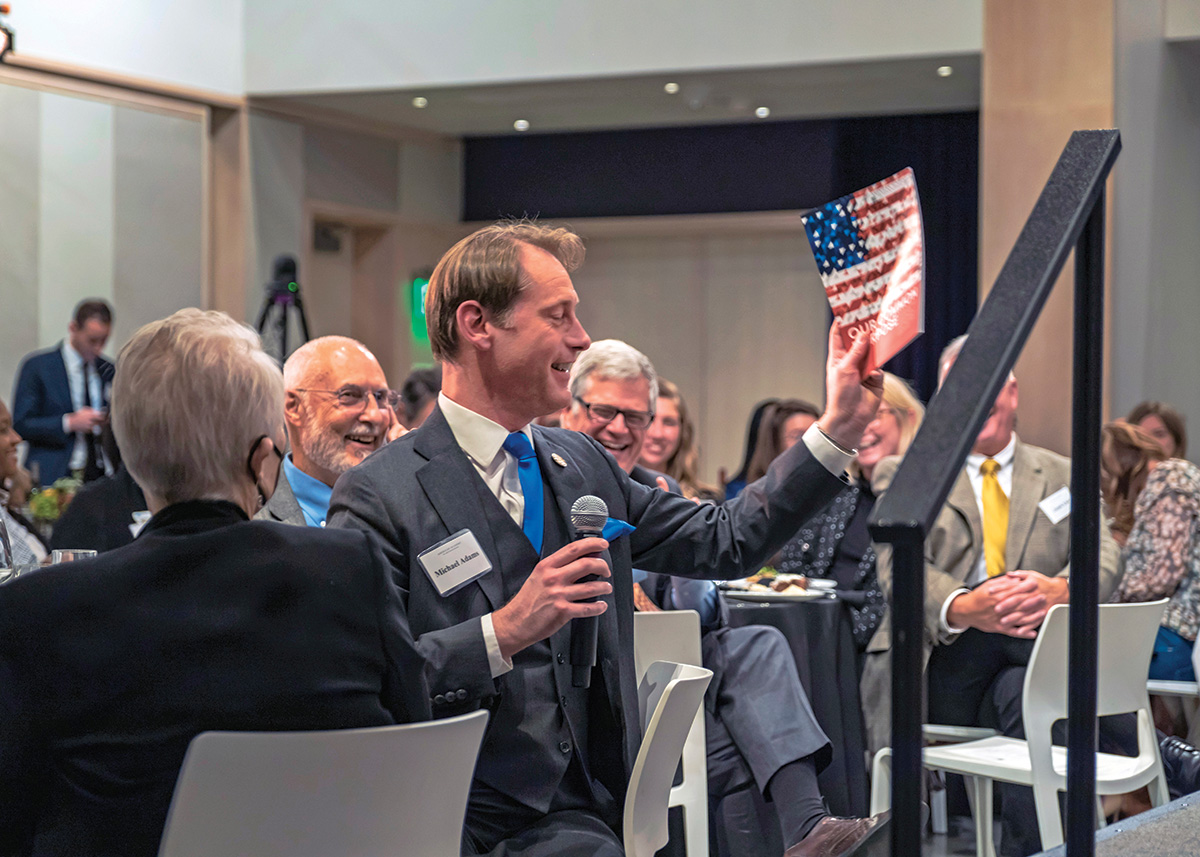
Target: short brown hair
pixel 486 267
pixel 90 308
pixel 1171 419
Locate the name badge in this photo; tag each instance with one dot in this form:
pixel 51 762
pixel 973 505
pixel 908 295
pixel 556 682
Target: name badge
pixel 454 562
pixel 1057 506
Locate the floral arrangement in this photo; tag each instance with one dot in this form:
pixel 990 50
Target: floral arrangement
pixel 46 505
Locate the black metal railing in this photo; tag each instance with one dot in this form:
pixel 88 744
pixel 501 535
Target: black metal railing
pixel 1068 215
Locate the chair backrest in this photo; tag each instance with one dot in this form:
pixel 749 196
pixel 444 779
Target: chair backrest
pixel 672 693
pixel 352 792
pixel 1125 644
pixel 668 635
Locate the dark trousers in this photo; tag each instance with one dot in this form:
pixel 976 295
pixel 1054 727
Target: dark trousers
pixel 979 681
pixel 582 821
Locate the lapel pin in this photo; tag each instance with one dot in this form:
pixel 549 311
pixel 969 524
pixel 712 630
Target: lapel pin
pixel 558 459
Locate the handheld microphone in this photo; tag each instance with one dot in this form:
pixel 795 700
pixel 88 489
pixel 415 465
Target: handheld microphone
pixel 588 517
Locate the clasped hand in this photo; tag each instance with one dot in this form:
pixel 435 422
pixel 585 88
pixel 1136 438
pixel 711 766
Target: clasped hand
pixel 553 594
pixel 1014 604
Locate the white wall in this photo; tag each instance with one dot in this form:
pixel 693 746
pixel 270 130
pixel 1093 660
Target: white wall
pixel 195 43
pixel 732 317
pixel 1156 256
pixel 312 45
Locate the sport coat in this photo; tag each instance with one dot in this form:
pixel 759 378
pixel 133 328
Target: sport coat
pixel 952 550
pixel 422 488
pixel 41 397
pixel 283 505
pixel 110 666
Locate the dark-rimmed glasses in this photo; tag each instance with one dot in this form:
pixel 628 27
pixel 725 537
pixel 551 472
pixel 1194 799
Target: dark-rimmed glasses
pixel 608 413
pixel 355 398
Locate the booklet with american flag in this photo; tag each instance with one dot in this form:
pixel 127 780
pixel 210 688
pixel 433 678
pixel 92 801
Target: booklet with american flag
pixel 869 248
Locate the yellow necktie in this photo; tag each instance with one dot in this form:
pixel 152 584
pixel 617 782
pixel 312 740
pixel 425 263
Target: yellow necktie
pixel 995 518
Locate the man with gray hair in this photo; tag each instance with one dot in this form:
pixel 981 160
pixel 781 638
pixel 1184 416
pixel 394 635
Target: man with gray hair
pixel 997 559
pixel 338 410
pixel 760 730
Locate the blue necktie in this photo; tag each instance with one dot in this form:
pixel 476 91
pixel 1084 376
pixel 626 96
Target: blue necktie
pixel 518 445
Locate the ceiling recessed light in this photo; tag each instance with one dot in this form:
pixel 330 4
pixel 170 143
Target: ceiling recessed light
pixel 762 112
pixel 420 101
pixel 671 88
pixel 521 125
pixel 945 71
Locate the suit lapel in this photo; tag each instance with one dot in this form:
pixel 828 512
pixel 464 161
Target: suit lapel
pixel 566 483
pixel 453 487
pixel 962 499
pixel 61 380
pixel 616 623
pixel 1028 488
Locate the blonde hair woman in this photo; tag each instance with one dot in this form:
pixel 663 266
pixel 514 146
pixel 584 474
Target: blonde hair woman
pixel 835 544
pixel 670 445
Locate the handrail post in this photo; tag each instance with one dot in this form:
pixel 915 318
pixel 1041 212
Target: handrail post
pixel 908 689
pixel 1085 535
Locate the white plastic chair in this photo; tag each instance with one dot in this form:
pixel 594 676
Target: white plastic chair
pixel 672 693
pixel 674 635
pixel 1125 643
pixel 354 792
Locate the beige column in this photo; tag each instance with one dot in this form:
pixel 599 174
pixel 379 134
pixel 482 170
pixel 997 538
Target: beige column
pixel 1047 71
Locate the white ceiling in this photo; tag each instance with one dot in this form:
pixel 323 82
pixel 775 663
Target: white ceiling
pixel 719 96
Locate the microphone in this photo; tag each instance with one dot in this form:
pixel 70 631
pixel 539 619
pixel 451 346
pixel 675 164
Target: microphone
pixel 588 517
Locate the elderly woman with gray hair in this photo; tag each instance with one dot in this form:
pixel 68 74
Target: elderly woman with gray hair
pixel 207 621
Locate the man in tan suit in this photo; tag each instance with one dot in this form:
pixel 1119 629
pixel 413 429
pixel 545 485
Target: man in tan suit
pixel 995 561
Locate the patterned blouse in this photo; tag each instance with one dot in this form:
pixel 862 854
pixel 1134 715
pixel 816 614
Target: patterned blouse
pixel 1162 554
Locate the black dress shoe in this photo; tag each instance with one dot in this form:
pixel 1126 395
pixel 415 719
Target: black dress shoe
pixel 842 837
pixel 1181 764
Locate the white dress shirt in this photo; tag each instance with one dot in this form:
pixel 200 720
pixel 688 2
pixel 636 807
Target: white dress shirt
pixel 93 398
pixel 483 439
pixel 1005 474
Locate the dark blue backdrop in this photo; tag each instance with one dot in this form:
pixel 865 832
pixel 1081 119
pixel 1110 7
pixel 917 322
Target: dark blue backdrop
pixel 756 167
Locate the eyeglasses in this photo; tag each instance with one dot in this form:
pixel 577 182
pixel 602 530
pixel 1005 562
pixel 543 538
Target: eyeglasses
pixel 607 413
pixel 355 398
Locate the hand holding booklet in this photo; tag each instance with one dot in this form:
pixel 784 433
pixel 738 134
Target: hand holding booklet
pixel 869 249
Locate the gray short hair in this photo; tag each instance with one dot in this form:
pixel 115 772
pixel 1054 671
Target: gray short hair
pixel 950 354
pixel 192 392
pixel 616 361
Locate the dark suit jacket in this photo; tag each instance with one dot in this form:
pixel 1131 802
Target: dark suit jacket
pixel 41 397
pixel 283 505
pixel 110 666
pixel 99 517
pixel 422 488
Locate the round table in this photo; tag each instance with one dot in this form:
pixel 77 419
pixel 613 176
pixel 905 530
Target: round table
pixel 820 636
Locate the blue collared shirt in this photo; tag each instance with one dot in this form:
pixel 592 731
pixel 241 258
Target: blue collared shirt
pixel 312 494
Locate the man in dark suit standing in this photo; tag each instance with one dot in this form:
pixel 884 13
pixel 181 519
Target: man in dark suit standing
pixel 473 510
pixel 60 401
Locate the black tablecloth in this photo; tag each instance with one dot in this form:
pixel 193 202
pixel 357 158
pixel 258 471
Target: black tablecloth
pixel 822 642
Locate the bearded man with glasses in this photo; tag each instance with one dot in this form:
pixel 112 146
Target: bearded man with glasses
pixel 338 410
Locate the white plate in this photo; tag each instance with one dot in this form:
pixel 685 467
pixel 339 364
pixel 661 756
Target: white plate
pixel 775 597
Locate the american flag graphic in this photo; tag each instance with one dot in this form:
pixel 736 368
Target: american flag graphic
pixel 869 250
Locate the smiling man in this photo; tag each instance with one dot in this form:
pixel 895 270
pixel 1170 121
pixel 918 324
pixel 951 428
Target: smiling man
pixel 473 510
pixel 338 410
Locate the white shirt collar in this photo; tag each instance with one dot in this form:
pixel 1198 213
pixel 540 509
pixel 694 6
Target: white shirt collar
pixel 1004 457
pixel 480 438
pixel 71 357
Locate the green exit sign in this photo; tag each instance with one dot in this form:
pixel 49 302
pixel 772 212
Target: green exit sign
pixel 417 290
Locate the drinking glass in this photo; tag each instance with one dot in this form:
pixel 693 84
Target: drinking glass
pixel 70 555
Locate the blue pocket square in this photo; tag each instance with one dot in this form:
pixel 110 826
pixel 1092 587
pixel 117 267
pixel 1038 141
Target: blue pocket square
pixel 614 528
